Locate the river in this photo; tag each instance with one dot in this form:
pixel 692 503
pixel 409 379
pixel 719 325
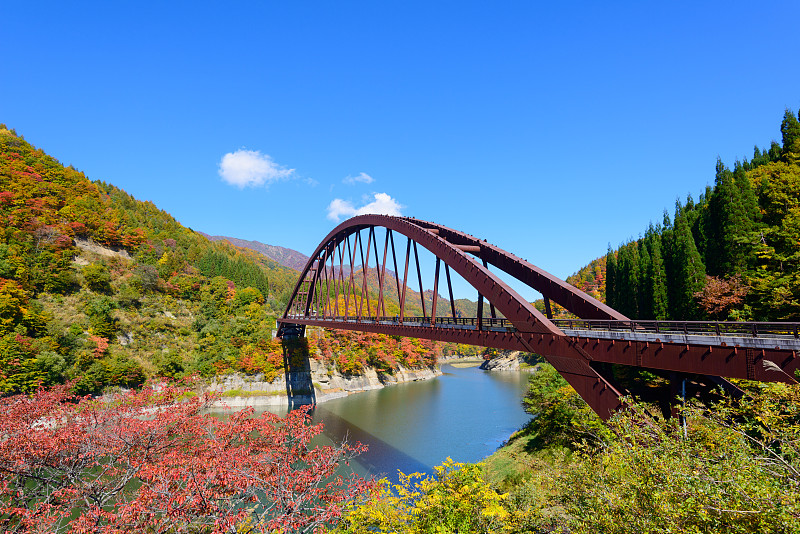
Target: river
pixel 465 414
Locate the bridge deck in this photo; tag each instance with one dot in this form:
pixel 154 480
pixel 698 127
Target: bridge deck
pixel 782 336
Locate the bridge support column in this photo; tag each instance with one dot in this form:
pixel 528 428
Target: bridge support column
pixel 594 388
pixel 291 331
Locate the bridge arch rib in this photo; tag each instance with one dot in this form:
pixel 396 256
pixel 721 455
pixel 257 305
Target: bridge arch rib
pixel 601 336
pixel 331 268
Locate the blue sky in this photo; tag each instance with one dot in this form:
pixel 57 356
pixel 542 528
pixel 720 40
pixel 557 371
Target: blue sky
pixel 549 129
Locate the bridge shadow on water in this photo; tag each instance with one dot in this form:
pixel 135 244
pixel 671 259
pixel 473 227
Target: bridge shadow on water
pixel 297 372
pixel 381 459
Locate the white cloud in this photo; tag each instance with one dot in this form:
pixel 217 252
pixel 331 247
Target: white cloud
pixel 382 205
pixel 245 168
pixel 363 178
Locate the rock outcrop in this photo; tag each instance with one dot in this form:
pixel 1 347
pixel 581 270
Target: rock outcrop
pixel 506 361
pixel 317 385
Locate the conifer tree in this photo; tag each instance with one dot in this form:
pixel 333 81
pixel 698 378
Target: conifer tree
pixel 730 219
pixel 611 277
pixel 628 280
pixel 775 151
pixel 658 280
pixel 790 131
pixel 645 295
pixel 689 272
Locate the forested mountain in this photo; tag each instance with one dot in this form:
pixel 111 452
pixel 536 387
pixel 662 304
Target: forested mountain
pixel 734 254
pixel 105 289
pixel 284 256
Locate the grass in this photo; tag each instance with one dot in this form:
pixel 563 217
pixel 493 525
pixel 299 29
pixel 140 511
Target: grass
pixel 463 365
pixel 522 460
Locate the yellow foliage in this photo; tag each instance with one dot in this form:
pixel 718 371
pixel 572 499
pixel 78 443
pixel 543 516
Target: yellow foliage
pixel 456 499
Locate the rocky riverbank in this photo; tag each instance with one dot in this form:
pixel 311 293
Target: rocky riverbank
pixel 315 385
pixel 321 383
pixel 509 361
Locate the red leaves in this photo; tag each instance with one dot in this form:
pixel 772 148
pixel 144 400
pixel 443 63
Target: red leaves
pixel 151 461
pixel 350 350
pixel 719 295
pixel 101 346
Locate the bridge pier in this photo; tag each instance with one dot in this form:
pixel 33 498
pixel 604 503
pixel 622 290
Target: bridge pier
pixel 290 330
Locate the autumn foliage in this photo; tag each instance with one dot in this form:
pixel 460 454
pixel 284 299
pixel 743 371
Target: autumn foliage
pixel 351 351
pixel 150 461
pixel 720 295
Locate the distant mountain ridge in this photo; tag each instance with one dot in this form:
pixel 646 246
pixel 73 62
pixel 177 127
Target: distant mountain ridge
pixel 284 256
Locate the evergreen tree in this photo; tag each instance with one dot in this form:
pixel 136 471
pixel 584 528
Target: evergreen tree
pixel 790 131
pixel 611 276
pixel 775 151
pixel 628 280
pixel 693 211
pixel 645 295
pixel 689 272
pixel 658 280
pixel 731 208
pixel 667 253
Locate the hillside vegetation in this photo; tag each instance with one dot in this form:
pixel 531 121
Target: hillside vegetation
pixel 106 290
pixel 733 254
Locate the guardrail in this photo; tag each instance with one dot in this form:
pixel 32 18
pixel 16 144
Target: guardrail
pixel 705 328
pixel 486 323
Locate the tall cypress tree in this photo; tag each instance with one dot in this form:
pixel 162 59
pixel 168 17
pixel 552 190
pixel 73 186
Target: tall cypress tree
pixel 790 132
pixel 774 151
pixel 611 277
pixel 690 272
pixel 668 255
pixel 724 208
pixel 628 280
pixel 658 280
pixel 747 220
pixel 645 295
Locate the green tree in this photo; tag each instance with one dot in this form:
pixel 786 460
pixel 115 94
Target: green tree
pixel 645 293
pixel 561 417
pixel 611 277
pixel 628 279
pixel 790 132
pixel 97 278
pixel 100 312
pixel 658 279
pixel 689 272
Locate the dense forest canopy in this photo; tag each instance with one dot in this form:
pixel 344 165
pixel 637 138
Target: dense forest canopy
pixel 732 254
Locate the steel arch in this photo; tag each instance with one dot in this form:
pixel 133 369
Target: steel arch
pixel 530 327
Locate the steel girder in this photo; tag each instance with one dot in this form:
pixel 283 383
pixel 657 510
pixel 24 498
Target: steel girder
pixel 551 287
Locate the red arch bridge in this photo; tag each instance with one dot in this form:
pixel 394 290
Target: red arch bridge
pixel 367 275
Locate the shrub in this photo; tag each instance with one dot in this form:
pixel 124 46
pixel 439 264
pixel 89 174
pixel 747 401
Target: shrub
pixel 97 278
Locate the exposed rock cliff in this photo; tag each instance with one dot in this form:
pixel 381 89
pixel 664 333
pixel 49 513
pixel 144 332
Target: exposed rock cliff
pixel 508 361
pixel 318 384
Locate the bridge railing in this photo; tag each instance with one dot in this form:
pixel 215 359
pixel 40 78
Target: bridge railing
pixel 705 328
pixel 443 322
